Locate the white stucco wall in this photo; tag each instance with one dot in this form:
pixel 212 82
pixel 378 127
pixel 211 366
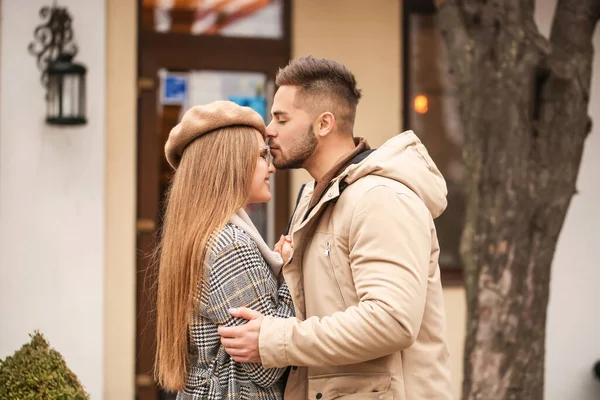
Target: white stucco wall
pixel 52 197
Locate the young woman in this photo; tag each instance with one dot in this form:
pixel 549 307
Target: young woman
pixel 212 258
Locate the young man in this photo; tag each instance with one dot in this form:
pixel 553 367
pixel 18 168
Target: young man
pixel 364 277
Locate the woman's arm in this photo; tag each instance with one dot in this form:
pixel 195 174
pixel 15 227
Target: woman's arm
pixel 240 278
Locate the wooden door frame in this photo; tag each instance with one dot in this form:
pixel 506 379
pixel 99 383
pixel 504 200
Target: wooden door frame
pixel 179 51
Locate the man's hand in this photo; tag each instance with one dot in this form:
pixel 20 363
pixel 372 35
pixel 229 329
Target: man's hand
pixel 241 342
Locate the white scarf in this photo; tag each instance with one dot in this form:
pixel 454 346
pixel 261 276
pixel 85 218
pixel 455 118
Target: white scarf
pixel 243 221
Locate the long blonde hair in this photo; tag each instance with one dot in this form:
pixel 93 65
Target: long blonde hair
pixel 211 183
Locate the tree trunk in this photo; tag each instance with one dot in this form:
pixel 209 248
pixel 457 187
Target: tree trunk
pixel 523 104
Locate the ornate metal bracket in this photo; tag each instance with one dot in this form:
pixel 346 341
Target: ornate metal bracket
pixel 52 38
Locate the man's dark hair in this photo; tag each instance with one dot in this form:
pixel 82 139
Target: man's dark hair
pixel 329 85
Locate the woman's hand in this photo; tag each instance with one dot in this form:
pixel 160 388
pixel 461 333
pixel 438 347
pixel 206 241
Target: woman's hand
pixel 287 252
pixel 285 248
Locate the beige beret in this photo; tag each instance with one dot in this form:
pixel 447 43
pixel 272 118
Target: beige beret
pixel 199 120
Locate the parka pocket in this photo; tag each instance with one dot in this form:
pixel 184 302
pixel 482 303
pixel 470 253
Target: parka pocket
pixel 388 395
pixel 350 387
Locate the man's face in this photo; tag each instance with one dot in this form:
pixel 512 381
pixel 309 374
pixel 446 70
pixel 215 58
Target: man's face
pixel 290 132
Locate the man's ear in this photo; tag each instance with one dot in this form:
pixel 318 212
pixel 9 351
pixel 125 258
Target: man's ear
pixel 324 124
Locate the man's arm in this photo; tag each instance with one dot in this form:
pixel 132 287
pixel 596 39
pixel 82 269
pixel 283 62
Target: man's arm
pixel 390 246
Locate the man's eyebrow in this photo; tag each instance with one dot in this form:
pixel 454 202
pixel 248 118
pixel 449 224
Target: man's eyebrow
pixel 278 113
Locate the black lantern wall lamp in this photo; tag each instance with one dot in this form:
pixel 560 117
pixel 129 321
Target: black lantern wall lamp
pixel 63 79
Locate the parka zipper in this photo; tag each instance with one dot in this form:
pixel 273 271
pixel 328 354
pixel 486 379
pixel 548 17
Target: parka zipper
pixel 327 253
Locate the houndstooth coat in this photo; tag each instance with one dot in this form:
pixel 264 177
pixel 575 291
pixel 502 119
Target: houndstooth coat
pixel 236 276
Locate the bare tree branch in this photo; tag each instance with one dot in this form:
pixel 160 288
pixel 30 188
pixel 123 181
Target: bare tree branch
pixel 566 91
pixel 453 28
pixel 571 38
pixel 574 24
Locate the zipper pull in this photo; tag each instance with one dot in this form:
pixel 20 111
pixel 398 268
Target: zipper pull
pixel 327 249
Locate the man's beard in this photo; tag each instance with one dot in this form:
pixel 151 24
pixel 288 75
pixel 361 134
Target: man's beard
pixel 299 153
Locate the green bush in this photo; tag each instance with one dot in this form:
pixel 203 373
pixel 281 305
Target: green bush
pixel 38 372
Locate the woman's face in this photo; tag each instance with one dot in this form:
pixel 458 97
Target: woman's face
pixel 260 188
